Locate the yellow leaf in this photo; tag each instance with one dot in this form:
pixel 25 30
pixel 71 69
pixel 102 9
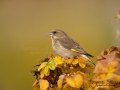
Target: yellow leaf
pixel 81 64
pixel 69 61
pixel 48 73
pixel 75 81
pixel 44 84
pixel 75 61
pixel 84 76
pixel 36 85
pixel 109 75
pixel 90 89
pixel 71 67
pixel 113 66
pixel 58 60
pixel 60 81
pixel 78 80
pixel 42 73
pixel 65 86
pixel 105 87
pixel 50 88
pixel 99 77
pixel 70 81
pixel 81 73
pixel 42 66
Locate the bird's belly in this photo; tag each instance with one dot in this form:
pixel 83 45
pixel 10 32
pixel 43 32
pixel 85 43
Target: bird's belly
pixel 63 52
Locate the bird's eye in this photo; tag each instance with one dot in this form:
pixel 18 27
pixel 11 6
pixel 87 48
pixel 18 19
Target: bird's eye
pixel 54 32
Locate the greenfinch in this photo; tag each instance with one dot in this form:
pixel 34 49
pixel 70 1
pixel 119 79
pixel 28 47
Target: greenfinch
pixel 66 47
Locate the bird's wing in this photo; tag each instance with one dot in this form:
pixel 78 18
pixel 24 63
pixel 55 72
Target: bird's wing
pixel 72 45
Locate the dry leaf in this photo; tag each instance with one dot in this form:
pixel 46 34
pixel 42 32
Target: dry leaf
pixel 117 34
pixel 35 83
pixel 70 81
pixel 42 74
pixel 101 66
pixel 116 17
pixel 108 69
pixel 82 65
pixel 60 81
pixel 69 61
pixel 44 84
pixel 75 81
pixel 82 59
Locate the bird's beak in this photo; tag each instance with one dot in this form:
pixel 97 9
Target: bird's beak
pixel 49 34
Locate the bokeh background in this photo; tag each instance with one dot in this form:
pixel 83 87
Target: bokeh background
pixel 25 23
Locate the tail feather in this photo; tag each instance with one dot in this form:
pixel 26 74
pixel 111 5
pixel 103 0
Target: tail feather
pixel 88 59
pixel 89 55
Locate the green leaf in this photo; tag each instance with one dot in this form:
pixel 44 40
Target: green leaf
pixel 51 64
pixel 52 67
pixel 46 69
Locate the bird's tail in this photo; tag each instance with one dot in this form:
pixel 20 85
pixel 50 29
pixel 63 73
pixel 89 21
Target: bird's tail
pixel 88 59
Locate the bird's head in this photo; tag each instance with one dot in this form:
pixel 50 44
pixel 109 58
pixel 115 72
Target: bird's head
pixel 57 34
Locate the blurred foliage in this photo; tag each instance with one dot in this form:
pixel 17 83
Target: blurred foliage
pixel 55 73
pixel 107 70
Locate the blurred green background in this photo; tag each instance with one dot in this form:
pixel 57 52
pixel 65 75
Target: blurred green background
pixel 25 23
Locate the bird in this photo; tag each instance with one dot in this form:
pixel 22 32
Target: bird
pixel 66 47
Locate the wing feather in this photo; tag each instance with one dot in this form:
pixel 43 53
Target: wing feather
pixel 71 44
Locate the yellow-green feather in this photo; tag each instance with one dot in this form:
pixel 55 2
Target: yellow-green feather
pixel 74 50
